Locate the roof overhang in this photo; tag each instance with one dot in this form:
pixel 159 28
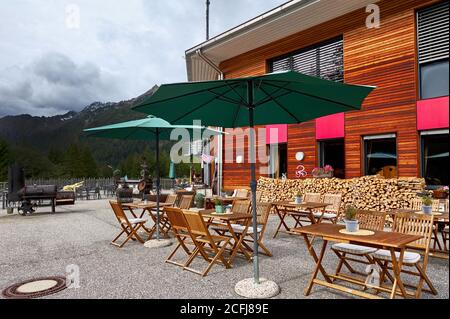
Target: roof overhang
pixel 278 23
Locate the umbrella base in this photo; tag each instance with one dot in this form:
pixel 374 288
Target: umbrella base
pixel 157 243
pixel 265 289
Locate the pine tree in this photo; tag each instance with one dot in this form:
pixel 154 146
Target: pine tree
pixel 88 163
pixel 5 159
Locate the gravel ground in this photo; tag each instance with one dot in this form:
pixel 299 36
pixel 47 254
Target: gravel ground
pixel 44 244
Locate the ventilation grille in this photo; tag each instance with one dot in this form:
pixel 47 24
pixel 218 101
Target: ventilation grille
pixel 433 34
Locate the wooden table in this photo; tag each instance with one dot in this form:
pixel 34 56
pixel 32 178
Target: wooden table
pixel 225 200
pixel 441 219
pixel 148 207
pixel 228 219
pixel 381 240
pixel 285 208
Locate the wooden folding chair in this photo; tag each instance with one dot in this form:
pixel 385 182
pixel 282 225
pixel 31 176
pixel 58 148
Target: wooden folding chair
pixel 416 204
pixel 241 193
pixel 304 215
pixel 331 212
pixel 164 224
pixel 263 212
pixel 444 231
pixel 186 201
pixel 371 220
pixel 180 229
pixel 239 206
pixel 129 226
pixel 312 197
pixel 445 237
pixel 413 224
pixel 171 199
pixel 205 242
pixel 258 196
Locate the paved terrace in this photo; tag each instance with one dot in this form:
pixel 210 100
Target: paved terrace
pixel 43 244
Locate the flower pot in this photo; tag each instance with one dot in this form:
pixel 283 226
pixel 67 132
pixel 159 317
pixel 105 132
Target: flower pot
pixel 9 210
pixel 427 209
pixel 351 226
pixel 323 174
pixel 298 199
pixel 440 194
pixel 219 209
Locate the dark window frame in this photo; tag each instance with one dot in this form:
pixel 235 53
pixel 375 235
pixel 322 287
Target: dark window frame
pixel 418 50
pixel 284 147
pixel 320 153
pixel 422 151
pixel 365 168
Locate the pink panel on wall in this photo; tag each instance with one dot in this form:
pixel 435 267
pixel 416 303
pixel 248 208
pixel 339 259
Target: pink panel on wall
pixel 432 113
pixel 330 126
pixel 273 136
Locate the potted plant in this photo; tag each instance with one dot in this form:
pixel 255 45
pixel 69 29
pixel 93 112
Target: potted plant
pixel 298 198
pixel 323 172
pixel 427 205
pixel 200 200
pixel 351 223
pixel 441 192
pixel 218 205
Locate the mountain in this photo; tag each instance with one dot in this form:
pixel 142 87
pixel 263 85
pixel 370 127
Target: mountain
pixel 43 134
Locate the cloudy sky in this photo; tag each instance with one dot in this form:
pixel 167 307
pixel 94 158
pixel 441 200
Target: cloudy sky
pixel 52 62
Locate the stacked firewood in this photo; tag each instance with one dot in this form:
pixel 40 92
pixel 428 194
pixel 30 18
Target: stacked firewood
pixel 368 192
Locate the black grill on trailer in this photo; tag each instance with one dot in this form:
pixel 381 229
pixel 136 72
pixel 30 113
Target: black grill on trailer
pixel 29 197
pixel 39 193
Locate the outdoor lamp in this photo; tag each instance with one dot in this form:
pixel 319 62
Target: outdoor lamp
pixel 299 156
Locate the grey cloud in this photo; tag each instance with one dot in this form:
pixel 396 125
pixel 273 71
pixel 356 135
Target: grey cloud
pixel 53 83
pixel 129 46
pixel 57 68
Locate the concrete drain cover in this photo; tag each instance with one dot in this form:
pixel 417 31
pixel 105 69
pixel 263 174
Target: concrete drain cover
pixel 35 288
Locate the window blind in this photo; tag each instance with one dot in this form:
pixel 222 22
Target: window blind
pixel 325 60
pixel 433 32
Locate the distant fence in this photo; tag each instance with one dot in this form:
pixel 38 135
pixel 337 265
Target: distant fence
pixel 61 182
pixel 92 187
pixel 102 183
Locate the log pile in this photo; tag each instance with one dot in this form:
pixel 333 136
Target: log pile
pixel 368 192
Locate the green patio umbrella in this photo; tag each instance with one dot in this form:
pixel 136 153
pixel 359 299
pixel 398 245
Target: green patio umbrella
pixel 149 128
pixel 277 98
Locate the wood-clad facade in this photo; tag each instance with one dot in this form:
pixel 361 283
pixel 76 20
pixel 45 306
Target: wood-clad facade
pixel 384 57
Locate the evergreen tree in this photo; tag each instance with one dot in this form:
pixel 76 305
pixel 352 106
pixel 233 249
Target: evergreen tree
pixel 5 159
pixel 88 163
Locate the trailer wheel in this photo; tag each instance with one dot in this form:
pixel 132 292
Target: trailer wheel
pixel 26 208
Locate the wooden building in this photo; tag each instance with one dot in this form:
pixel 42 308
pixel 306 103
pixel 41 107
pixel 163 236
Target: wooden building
pixel 402 129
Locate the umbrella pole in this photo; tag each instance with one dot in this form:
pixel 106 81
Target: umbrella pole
pixel 157 184
pixel 253 183
pixel 254 287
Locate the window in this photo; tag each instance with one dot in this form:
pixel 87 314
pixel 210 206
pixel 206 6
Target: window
pixel 277 160
pixel 380 153
pixel 433 46
pixel 332 153
pixel 435 156
pixel 325 60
